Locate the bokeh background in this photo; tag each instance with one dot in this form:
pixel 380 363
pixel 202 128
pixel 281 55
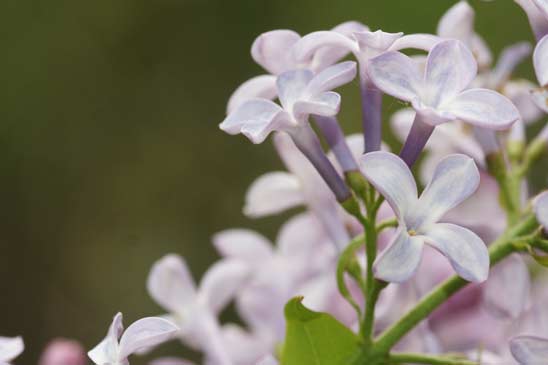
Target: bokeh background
pixel 110 154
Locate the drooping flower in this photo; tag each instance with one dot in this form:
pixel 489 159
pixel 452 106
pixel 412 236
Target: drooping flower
pixel 275 192
pixel 364 44
pixel 301 94
pixel 455 179
pixel 194 310
pixel 10 348
pixel 62 351
pixel 440 94
pixel 119 344
pixel 530 350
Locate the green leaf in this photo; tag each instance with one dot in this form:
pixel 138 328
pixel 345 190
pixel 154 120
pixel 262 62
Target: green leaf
pixel 314 338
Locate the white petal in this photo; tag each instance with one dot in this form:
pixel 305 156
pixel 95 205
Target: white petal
pixel 221 282
pixel 464 249
pixel 519 92
pixel 273 193
pixel 106 352
pixel 484 108
pixel 326 104
pixel 456 178
pixel 377 41
pixel 450 68
pixel 395 74
pixel 146 332
pixel 332 77
pixel 170 361
pixel 509 59
pixel 392 178
pixel 292 86
pixel 541 209
pixel 540 98
pixel 503 300
pixel 540 61
pixel 457 22
pixel 170 283
pixel 529 350
pixel 542 5
pixel 400 259
pixel 350 27
pixel 243 244
pixel 268 360
pixel 306 47
pixel 255 119
pixel 263 86
pixel 423 42
pixel 481 51
pixel 272 50
pixel 10 348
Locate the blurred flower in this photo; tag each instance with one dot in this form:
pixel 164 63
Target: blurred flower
pixel 456 178
pixel 10 348
pixel 62 351
pixel 439 95
pixel 537 12
pixel 171 285
pixel 540 204
pixel 530 350
pixel 116 347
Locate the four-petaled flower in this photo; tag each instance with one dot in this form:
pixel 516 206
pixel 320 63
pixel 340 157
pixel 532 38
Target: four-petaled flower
pixel 455 179
pixel 144 333
pixel 10 348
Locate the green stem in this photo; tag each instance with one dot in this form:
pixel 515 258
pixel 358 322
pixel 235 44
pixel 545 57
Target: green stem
pixel 388 223
pixel 509 182
pixel 498 250
pixel 372 289
pixel 428 359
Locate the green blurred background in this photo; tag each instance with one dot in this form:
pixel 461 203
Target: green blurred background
pixel 110 152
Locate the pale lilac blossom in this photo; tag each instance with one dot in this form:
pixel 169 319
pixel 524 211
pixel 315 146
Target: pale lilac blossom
pixel 119 344
pixel 10 348
pixel 454 180
pixel 530 350
pixel 540 205
pixel 62 351
pixel 540 63
pixel 537 13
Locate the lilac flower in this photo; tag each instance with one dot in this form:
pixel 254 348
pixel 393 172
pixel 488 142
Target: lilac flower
pixel 62 351
pixel 530 350
pixel 540 204
pixel 364 44
pixel 194 310
pixel 116 347
pixel 540 63
pixel 439 95
pixel 278 191
pixel 458 23
pixel 456 178
pixel 301 94
pixel 537 13
pixel 10 348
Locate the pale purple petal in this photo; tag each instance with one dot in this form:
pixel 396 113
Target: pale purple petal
pixel 106 352
pixel 540 98
pixel 450 68
pixel 481 51
pixel 221 282
pixel 457 22
pixel 519 92
pixel 420 41
pixel 273 193
pixel 62 351
pixel 542 5
pixel 540 61
pixel 245 347
pixel 292 86
pixel 263 87
pixel 464 249
pixel 529 350
pixel 541 209
pixel 146 332
pixel 484 108
pixel 10 348
pixel 272 50
pixel 392 178
pixel 243 244
pixel 332 77
pixel 395 74
pixel 509 59
pixel 456 178
pixel 400 259
pixel 170 283
pixel 537 19
pixel 255 119
pixel 377 41
pixel 503 300
pixel 306 47
pixel 268 360
pixel 326 104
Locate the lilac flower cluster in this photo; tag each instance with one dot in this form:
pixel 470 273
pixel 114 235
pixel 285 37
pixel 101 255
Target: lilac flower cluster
pixel 445 274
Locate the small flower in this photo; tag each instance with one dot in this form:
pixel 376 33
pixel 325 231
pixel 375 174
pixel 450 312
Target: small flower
pixel 10 348
pixel 540 204
pixel 530 350
pixel 116 347
pixel 537 12
pixel 301 94
pixel 439 94
pixel 540 63
pixel 63 352
pixel 455 179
